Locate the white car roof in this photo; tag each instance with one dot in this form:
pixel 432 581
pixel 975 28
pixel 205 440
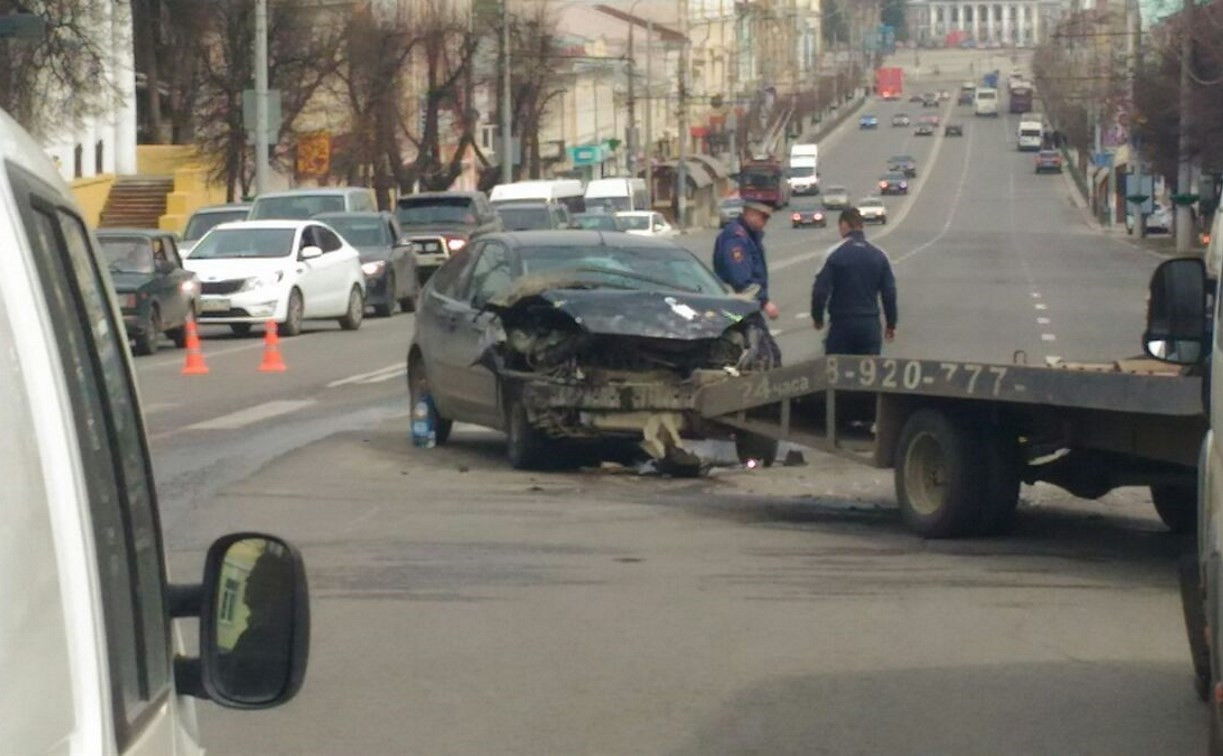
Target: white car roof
pixel 290 224
pixel 634 213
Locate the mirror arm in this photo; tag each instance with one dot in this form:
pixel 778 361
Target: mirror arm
pixel 189 677
pixel 184 600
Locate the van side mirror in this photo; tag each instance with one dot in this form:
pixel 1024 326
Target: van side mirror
pixel 254 613
pixel 1177 312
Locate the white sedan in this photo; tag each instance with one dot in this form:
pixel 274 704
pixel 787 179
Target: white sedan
pixel 287 271
pixel 645 223
pixel 873 210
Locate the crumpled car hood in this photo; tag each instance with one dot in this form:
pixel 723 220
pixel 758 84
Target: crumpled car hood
pixel 617 312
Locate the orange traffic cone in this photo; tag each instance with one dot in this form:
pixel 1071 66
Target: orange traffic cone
pixel 272 361
pixel 195 356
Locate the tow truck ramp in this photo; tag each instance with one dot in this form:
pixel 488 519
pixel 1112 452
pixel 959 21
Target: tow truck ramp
pixel 962 436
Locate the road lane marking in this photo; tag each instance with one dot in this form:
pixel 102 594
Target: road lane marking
pixel 802 315
pixel 1048 337
pixel 1043 321
pixel 399 373
pixel 1035 295
pixel 372 376
pixel 252 415
pixel 1042 306
pixel 953 206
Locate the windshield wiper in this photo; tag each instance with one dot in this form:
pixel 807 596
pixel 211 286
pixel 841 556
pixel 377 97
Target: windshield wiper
pixel 638 277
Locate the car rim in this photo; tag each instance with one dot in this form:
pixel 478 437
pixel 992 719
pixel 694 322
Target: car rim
pixel 925 475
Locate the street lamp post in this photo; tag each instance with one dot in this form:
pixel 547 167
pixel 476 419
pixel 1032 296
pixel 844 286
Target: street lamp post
pixel 681 171
pixel 507 122
pixel 261 96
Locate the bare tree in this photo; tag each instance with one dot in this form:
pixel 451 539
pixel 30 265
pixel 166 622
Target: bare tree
pixel 170 38
pixel 43 81
pixel 303 52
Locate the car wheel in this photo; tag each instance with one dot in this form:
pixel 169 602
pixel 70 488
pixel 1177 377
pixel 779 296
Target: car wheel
pixel 408 304
pixel 387 309
pixel 294 315
pixel 356 310
pixel 418 387
pixel 526 447
pixel 240 329
pixel 178 336
pixel 146 340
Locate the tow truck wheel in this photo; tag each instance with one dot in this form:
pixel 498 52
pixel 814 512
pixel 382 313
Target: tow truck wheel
pixel 1004 472
pixel 526 447
pixel 941 475
pixel 1177 506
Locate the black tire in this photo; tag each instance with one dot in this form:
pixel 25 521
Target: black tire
pixel 1193 605
pixel 1177 505
pixel 178 336
pixel 145 342
pixel 940 475
pixel 294 315
pixel 356 310
pixel 1004 473
pixel 407 304
pixel 418 386
pixel 752 446
pixel 387 309
pixel 241 329
pixel 526 447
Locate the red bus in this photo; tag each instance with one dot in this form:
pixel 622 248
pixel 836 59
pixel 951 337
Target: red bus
pixel 764 181
pixel 1021 97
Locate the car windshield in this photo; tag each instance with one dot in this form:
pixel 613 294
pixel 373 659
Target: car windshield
pixel 296 206
pixel 757 179
pixel 429 211
pixel 870 202
pixel 893 177
pixel 525 218
pixel 244 242
pixel 635 222
pixel 838 190
pixel 596 222
pixel 648 269
pixel 202 223
pixel 608 204
pixel 802 171
pixel 128 254
pixel 362 232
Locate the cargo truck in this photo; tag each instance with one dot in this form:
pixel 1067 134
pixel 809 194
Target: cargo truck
pixel 889 82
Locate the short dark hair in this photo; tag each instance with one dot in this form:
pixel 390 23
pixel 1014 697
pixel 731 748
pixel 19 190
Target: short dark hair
pixel 851 217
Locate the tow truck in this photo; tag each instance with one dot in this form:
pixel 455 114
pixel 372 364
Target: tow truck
pixel 962 436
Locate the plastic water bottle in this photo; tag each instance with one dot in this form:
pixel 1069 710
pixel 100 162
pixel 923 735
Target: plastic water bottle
pixel 424 433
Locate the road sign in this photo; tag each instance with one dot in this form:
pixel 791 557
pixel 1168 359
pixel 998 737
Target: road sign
pixel 591 154
pixel 274 116
pixel 314 154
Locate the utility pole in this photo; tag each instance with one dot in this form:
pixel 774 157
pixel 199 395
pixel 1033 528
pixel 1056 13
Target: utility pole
pixel 681 171
pixel 261 96
pixel 632 104
pixel 507 120
pixel 1184 218
pixel 649 111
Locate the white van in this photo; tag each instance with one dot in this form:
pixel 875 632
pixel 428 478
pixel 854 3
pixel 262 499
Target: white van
pixel 567 192
pixel 1030 135
pixel 90 655
pixel 804 170
pixel 617 195
pixel 985 102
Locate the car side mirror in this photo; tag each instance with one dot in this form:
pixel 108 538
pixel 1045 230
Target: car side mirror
pixel 1177 315
pixel 254 615
pixel 311 252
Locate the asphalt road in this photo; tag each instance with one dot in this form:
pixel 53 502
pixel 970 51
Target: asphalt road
pixel 461 607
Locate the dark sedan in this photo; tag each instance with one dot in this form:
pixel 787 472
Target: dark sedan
pixel 561 336
pixel 903 164
pixel 893 183
pixel 953 129
pixel 155 294
pixel 808 216
pixel 923 129
pixel 965 98
pixel 438 224
pixel 386 259
pixel 1048 160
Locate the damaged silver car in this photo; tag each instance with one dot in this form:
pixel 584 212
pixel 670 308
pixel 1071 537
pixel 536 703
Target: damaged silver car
pixel 557 337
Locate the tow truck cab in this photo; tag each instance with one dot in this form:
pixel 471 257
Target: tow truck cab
pixel 90 652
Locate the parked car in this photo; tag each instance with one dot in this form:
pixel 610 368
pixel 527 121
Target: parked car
pixel 873 210
pixel 91 654
pixel 868 122
pixel 590 335
pixel 646 223
pixel 1049 160
pixel 729 209
pixel 953 129
pixel 301 204
pixel 202 221
pixel 438 224
pixel 533 216
pixel 596 222
pixel 386 259
pixel 156 295
pixel 808 216
pixel 286 271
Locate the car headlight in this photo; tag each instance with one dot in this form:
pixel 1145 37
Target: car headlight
pixel 454 245
pixel 189 286
pixel 374 268
pixel 258 282
pixel 819 216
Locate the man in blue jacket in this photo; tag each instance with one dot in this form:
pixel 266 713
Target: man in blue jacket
pixel 738 259
pixel 856 277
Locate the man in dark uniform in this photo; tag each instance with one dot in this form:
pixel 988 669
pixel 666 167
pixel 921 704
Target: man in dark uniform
pixel 738 259
pixel 855 277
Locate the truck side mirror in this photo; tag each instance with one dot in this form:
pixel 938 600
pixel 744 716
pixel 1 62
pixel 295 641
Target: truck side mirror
pixel 1177 314
pixel 254 611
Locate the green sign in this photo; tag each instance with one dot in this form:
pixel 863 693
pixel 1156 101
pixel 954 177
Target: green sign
pixel 586 155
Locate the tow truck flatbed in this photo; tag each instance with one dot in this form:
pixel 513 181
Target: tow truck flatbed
pixel 963 435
